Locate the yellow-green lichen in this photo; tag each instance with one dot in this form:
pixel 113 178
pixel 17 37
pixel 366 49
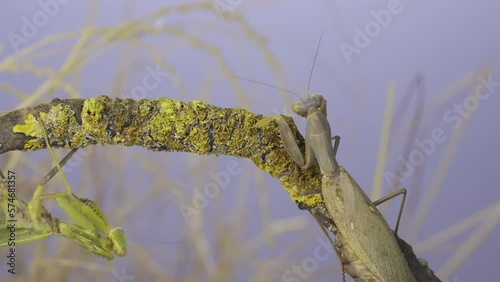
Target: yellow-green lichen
pixel 223 135
pixel 117 139
pixel 293 187
pixel 92 114
pixel 59 118
pixel 162 124
pixel 198 137
pixel 145 107
pixel 77 138
pixel 197 105
pixel 169 105
pixel 310 200
pixel 161 128
pixel 31 127
pixel 131 135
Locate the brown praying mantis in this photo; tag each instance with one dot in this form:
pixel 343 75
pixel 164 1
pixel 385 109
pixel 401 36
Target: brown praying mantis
pixel 365 244
pixel 23 222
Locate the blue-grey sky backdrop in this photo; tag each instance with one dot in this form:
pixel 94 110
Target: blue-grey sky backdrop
pixel 190 53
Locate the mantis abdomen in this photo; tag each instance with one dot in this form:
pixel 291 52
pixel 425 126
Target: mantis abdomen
pixel 364 242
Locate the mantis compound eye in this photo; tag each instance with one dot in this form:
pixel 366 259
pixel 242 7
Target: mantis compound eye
pixel 302 107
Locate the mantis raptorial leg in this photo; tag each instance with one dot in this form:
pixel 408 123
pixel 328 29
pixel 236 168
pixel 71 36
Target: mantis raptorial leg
pixel 365 244
pixel 84 212
pixel 34 222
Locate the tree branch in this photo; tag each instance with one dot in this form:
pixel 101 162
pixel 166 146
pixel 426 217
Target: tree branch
pixel 172 126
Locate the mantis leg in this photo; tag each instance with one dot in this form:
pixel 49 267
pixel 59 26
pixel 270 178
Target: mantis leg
pixel 323 221
pixel 35 204
pixel 385 198
pixel 390 196
pixel 35 222
pixel 96 244
pixel 292 148
pixel 79 210
pixel 12 207
pixel 336 144
pixel 56 169
pixel 289 143
pixel 88 216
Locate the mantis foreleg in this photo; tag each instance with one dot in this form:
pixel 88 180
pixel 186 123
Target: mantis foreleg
pixel 84 212
pixel 36 223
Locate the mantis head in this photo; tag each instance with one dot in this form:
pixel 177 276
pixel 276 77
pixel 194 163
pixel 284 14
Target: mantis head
pixel 117 238
pixel 312 103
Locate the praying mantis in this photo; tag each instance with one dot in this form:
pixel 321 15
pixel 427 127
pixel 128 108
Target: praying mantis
pixel 365 244
pixel 33 222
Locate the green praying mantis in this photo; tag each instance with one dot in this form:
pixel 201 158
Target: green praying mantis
pixel 365 244
pixel 31 221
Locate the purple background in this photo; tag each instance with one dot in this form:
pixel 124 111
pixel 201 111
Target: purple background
pixel 442 41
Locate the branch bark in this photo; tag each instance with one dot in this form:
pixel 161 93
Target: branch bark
pixel 172 126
